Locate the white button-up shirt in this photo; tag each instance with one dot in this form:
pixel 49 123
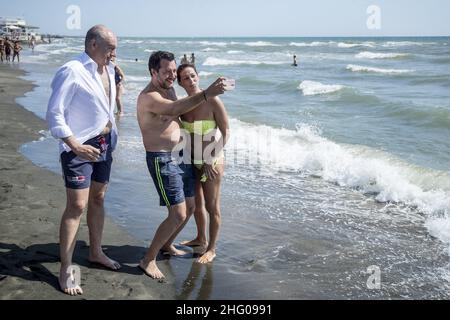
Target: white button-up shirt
pixel 78 105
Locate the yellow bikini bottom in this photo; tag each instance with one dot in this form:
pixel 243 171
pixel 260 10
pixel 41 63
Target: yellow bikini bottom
pixel 199 164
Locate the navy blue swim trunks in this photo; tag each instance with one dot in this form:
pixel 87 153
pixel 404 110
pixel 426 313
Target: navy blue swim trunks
pixel 174 182
pixel 78 172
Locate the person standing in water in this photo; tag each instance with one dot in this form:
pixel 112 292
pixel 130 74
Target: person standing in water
pixel 158 112
pixel 206 121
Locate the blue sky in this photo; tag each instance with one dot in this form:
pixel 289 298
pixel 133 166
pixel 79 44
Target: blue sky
pixel 211 18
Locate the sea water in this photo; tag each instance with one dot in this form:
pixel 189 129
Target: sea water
pixel 337 182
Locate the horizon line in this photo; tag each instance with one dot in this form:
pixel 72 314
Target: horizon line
pixel 270 36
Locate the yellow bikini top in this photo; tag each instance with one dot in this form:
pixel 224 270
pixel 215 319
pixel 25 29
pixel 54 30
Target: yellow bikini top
pixel 200 127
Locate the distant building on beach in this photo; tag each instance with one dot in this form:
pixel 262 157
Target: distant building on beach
pixel 17 29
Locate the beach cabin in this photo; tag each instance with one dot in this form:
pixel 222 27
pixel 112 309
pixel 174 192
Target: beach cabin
pixel 17 29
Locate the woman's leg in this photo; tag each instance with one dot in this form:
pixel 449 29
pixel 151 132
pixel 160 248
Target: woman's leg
pixel 200 216
pixel 211 191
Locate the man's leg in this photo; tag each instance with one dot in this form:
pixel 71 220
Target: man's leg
pixel 168 246
pixel 177 216
pixel 76 202
pixel 95 220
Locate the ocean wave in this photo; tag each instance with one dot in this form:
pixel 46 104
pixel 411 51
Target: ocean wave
pixel 406 43
pixel 311 88
pixel 137 79
pixel 380 55
pixel 36 58
pixel 210 61
pixel 371 172
pixel 310 44
pixel 235 52
pixel 205 74
pixel 55 51
pixel 261 44
pixel 212 43
pixel 353 45
pixel 133 41
pixel 157 42
pixel 356 68
pixel 210 49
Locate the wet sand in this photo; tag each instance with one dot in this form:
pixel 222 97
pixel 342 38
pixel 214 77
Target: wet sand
pixel 32 200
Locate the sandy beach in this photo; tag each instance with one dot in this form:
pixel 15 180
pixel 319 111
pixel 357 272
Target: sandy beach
pixel 327 186
pixel 31 203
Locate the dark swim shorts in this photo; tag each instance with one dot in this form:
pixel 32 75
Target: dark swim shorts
pixel 174 182
pixel 78 172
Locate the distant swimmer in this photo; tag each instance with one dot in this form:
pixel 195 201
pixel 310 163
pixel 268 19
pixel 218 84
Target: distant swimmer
pixel 184 60
pixel 295 61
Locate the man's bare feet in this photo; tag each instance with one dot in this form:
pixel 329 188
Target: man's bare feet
pixel 194 243
pixel 68 281
pixel 151 269
pixel 103 260
pixel 171 250
pixel 207 257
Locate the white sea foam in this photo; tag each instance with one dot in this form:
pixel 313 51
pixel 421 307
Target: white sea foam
pixel 406 43
pixel 157 41
pixel 353 45
pixel 235 51
pixel 380 55
pixel 310 44
pixel 356 68
pixel 58 51
pixel 211 61
pixel 212 43
pixel 133 41
pixel 439 228
pixel 210 49
pixel 368 170
pixel 310 88
pixel 137 79
pixel 261 44
pixel 205 74
pixel 36 58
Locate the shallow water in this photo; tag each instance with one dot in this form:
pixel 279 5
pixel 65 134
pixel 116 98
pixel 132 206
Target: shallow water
pixel 333 167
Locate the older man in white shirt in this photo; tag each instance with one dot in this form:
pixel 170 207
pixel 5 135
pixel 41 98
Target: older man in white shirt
pixel 81 115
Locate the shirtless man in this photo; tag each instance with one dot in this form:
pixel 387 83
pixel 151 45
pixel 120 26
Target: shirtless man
pixel 16 51
pixel 158 112
pixel 8 49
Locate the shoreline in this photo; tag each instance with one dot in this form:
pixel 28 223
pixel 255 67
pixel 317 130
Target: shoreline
pixel 32 200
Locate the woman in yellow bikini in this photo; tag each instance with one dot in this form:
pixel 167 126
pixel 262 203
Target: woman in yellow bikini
pixel 208 124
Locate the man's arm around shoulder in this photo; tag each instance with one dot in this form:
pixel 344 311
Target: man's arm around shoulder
pixel 155 103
